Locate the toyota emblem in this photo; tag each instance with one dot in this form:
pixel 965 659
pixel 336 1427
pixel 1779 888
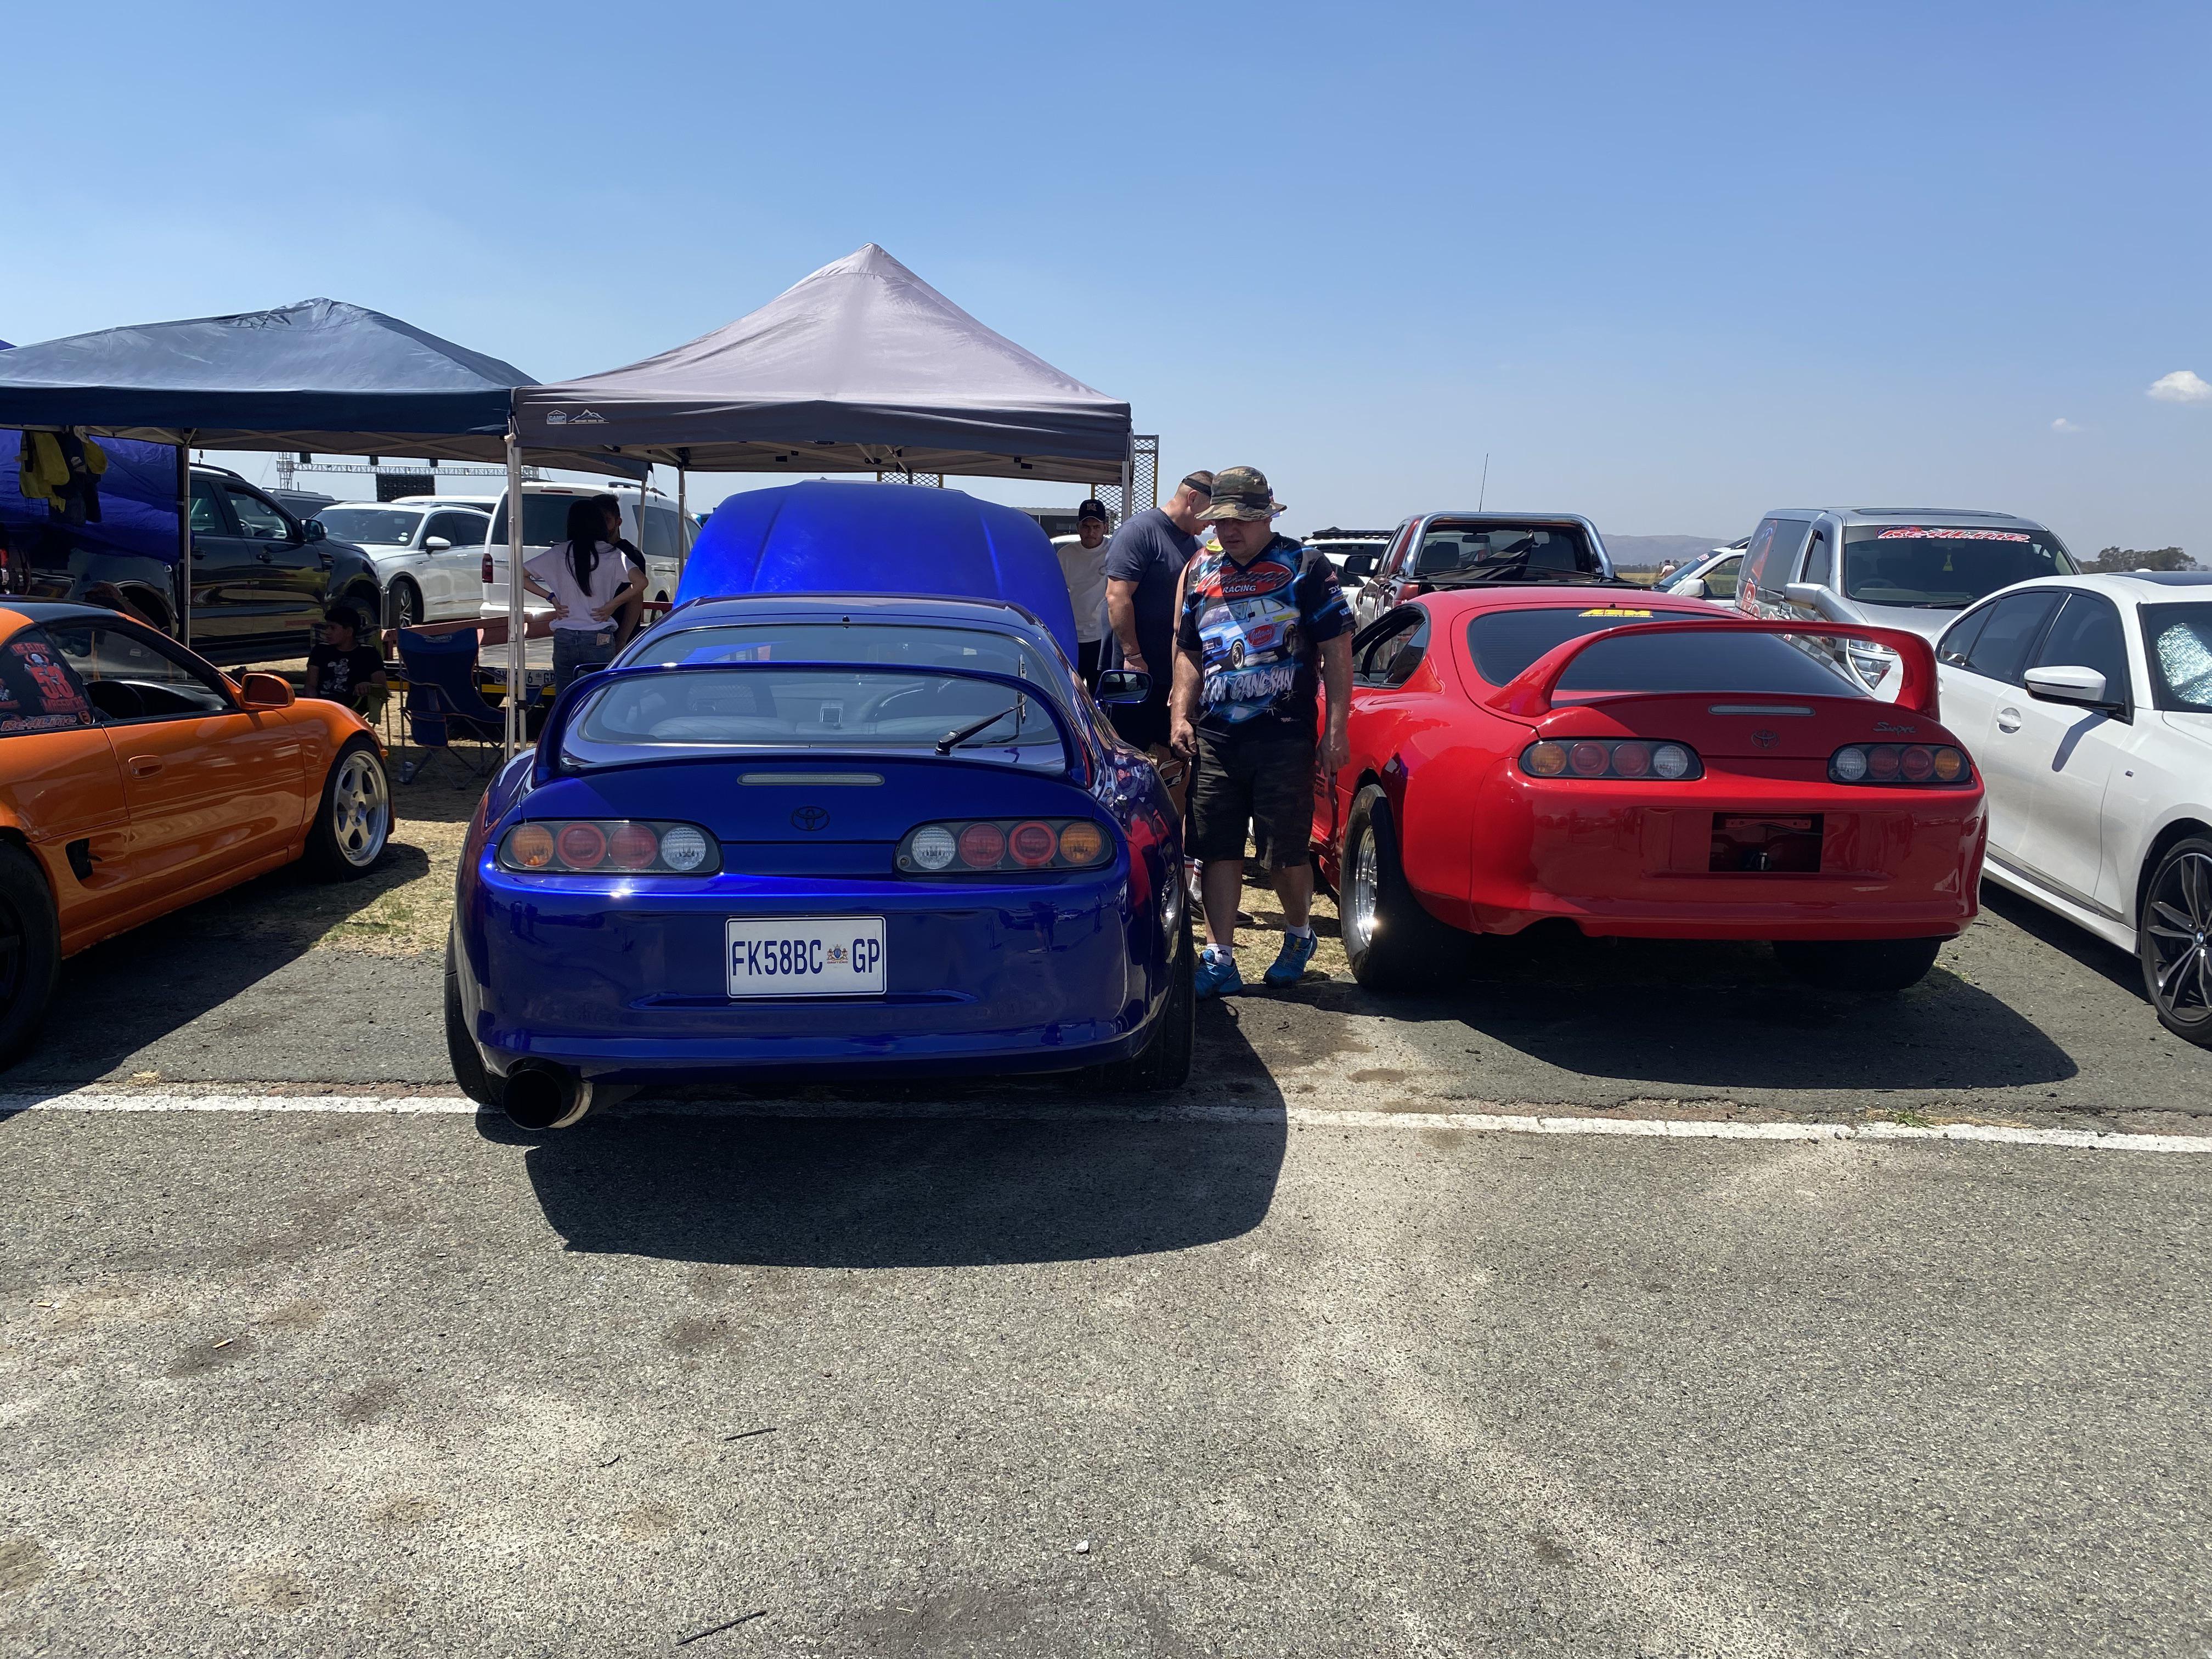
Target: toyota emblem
pixel 810 818
pixel 1765 739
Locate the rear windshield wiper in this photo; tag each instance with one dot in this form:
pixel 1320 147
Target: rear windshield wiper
pixel 952 740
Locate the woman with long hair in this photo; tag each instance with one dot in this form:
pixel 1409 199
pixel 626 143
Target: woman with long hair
pixel 589 581
pixel 631 616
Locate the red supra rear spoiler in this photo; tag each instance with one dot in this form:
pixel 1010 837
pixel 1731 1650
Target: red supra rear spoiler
pixel 1529 693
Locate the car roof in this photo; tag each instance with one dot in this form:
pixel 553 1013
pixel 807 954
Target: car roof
pixel 1478 515
pixel 874 610
pixel 1450 604
pixel 1904 515
pixel 2147 587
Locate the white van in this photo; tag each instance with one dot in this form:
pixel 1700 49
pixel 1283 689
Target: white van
pixel 546 521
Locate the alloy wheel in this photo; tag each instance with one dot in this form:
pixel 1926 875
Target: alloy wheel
pixel 361 810
pixel 2179 924
pixel 406 606
pixel 1359 892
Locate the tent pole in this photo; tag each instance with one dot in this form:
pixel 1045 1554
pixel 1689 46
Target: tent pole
pixel 185 537
pixel 517 724
pixel 682 526
pixel 1129 481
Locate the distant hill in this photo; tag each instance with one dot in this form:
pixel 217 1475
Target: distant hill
pixel 1650 552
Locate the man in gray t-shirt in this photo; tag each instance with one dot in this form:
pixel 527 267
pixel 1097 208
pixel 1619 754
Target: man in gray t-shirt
pixel 1144 561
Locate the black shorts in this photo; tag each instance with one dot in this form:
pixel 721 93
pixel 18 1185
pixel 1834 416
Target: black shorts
pixel 1262 780
pixel 1087 660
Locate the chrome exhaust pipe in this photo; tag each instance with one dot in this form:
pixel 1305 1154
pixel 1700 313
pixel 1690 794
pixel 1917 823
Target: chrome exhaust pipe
pixel 540 1096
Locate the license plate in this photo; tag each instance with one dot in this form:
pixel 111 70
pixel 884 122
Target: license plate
pixel 806 956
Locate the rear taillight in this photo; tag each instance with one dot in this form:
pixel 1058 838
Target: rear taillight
pixel 609 847
pixel 487 568
pixel 1923 765
pixel 985 846
pixel 1603 757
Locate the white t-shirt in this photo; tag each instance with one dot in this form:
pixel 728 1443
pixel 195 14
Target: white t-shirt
pixel 1085 569
pixel 573 605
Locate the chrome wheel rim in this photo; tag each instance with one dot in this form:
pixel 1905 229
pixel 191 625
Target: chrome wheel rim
pixel 407 607
pixel 1359 892
pixel 361 810
pixel 2179 924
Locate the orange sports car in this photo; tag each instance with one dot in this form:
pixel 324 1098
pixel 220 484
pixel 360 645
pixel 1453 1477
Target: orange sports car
pixel 136 778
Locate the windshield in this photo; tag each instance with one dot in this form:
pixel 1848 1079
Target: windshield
pixel 1505 643
pixel 2178 639
pixel 815 708
pixel 1448 549
pixel 544 520
pixel 382 526
pixel 1945 567
pixel 816 642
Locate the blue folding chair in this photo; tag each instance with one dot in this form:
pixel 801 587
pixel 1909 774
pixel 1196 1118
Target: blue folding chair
pixel 443 702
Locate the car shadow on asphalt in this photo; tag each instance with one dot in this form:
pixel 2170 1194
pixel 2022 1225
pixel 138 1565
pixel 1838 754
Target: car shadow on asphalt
pixel 126 994
pixel 1041 1180
pixel 1721 1016
pixel 2100 956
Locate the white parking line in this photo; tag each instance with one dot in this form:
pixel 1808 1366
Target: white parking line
pixel 1315 1117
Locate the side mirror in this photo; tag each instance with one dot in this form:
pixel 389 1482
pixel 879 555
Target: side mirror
pixel 436 545
pixel 1358 567
pixel 265 691
pixel 1818 598
pixel 316 530
pixel 1123 685
pixel 1690 587
pixel 2082 687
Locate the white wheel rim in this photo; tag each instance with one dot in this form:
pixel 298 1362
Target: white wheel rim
pixel 1359 892
pixel 361 810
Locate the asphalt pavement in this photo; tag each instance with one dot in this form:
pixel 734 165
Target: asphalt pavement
pixel 1323 1367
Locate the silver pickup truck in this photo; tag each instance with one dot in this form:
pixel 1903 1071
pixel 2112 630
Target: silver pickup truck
pixel 1448 549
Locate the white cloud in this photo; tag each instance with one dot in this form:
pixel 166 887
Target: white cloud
pixel 2061 424
pixel 2182 387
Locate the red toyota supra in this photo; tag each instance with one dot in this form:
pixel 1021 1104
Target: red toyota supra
pixel 1636 765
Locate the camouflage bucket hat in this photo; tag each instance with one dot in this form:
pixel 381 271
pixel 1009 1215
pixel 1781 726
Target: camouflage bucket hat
pixel 1241 492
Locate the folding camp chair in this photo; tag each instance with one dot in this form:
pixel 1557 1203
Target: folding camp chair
pixel 443 702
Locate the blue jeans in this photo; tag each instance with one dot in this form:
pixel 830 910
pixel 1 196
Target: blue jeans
pixel 574 650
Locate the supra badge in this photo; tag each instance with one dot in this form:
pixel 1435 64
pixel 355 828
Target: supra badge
pixel 810 818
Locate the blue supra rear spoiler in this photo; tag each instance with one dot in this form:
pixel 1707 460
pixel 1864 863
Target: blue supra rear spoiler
pixel 547 766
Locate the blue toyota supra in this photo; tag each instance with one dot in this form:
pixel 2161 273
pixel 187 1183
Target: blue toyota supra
pixel 793 837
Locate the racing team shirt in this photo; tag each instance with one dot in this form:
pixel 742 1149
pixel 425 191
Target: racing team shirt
pixel 1256 630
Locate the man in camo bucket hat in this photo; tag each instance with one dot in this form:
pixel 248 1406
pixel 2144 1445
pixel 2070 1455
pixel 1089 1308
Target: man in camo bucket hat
pixel 1261 628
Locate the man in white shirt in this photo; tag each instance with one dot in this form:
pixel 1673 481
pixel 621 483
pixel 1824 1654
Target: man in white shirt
pixel 1083 563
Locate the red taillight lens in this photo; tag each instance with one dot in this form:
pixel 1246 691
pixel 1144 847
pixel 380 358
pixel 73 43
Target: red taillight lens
pixel 1631 760
pixel 633 846
pixel 1882 765
pixel 1594 758
pixel 981 846
pixel 1937 764
pixel 487 569
pixel 582 846
pixel 966 847
pixel 1916 763
pixel 1588 760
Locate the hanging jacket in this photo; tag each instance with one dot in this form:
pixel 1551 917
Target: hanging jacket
pixel 64 470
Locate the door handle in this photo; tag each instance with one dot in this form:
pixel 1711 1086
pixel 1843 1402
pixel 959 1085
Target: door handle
pixel 144 766
pixel 2007 720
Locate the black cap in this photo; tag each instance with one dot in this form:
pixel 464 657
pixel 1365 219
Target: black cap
pixel 1093 509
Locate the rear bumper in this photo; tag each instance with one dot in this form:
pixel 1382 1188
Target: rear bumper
pixel 1894 864
pixel 625 981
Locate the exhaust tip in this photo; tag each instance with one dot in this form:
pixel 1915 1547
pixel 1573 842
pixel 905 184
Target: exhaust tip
pixel 539 1096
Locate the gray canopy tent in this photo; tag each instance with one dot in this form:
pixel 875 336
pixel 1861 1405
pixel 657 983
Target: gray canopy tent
pixel 861 367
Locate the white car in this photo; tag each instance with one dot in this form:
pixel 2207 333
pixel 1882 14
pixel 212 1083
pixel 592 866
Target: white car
pixel 428 555
pixel 1713 577
pixel 2087 702
pixel 546 521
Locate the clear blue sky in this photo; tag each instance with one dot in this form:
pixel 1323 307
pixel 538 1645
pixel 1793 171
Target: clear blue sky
pixel 1670 265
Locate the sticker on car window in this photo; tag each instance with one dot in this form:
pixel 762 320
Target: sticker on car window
pixel 1615 613
pixel 1915 533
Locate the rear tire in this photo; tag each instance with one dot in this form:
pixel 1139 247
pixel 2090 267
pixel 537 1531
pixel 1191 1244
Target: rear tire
pixel 354 819
pixel 476 1079
pixel 30 951
pixel 1164 1061
pixel 406 609
pixel 1878 965
pixel 2173 940
pixel 1392 943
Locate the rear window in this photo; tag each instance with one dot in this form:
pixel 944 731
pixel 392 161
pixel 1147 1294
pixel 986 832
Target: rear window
pixel 389 526
pixel 1945 567
pixel 802 642
pixel 1505 643
pixel 544 520
pixel 38 690
pixel 891 711
pixel 2178 639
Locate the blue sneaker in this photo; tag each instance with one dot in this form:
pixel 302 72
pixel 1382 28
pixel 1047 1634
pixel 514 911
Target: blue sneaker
pixel 1218 975
pixel 1291 967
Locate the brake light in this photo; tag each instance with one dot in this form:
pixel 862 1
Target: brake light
pixel 1598 757
pixel 487 568
pixel 1937 765
pixel 984 846
pixel 627 847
